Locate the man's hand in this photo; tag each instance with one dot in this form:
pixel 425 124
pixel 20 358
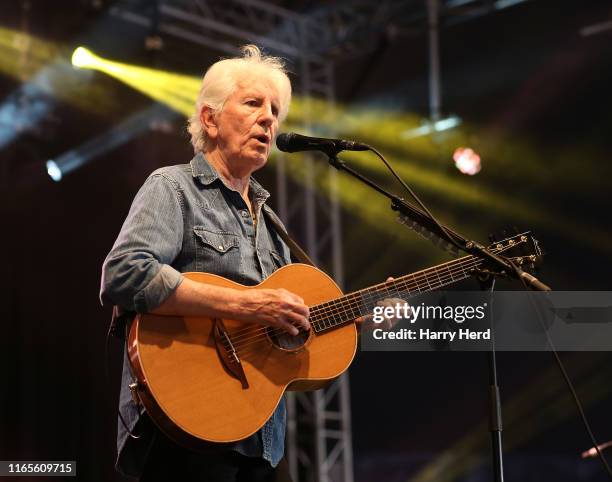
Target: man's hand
pixel 388 322
pixel 274 307
pixel 277 308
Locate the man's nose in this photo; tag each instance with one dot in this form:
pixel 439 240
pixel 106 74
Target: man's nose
pixel 266 117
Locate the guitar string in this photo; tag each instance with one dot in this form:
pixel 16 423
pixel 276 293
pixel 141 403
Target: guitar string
pixel 322 311
pixel 341 308
pixel 328 307
pixel 320 318
pixel 261 331
pixel 334 307
pixel 254 341
pixel 368 298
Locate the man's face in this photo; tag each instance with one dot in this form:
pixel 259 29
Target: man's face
pixel 248 123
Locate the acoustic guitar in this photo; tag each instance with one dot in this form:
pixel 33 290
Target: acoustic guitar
pixel 211 380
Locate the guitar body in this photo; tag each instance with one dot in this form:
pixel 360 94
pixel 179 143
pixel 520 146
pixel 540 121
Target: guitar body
pixel 194 389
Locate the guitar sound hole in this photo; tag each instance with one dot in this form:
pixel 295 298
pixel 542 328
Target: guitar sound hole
pixel 283 340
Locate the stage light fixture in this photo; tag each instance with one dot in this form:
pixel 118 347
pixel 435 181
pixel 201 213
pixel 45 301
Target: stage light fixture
pixel 54 171
pixel 447 123
pixel 82 58
pixel 430 127
pixel 467 161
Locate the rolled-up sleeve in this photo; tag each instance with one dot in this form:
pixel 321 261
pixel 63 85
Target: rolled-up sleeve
pixel 137 273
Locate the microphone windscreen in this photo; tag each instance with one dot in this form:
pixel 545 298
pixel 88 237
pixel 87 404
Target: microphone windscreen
pixel 283 142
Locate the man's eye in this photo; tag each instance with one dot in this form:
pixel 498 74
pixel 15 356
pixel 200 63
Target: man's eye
pixel 252 102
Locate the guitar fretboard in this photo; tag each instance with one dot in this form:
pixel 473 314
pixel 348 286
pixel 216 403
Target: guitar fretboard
pixel 331 314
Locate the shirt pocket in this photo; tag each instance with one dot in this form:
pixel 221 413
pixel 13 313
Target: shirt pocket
pixel 218 253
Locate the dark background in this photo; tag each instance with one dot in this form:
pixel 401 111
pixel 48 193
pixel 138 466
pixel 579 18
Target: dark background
pixel 523 75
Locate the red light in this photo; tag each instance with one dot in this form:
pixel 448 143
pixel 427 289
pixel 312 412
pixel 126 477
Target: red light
pixel 467 161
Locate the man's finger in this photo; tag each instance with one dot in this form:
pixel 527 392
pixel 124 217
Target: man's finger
pixel 298 320
pixel 288 327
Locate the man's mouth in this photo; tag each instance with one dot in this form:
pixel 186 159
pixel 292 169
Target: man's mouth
pixel 263 138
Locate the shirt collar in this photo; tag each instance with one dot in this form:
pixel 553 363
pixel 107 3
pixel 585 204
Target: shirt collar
pixel 206 174
pixel 202 170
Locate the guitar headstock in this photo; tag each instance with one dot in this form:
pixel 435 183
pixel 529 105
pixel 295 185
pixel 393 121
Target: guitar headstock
pixel 522 248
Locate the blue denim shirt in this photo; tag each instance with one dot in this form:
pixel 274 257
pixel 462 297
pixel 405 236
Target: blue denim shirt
pixel 185 218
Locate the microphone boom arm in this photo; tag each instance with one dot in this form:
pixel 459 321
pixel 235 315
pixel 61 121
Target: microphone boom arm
pixel 419 217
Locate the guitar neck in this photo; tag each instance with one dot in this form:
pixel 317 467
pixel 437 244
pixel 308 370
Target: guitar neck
pixel 331 314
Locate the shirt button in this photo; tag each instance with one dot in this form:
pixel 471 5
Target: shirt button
pixel 221 247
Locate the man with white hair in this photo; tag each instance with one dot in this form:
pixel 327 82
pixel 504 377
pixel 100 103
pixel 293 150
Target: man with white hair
pixel 207 216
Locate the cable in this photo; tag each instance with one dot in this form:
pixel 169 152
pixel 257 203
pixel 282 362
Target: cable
pixel 566 377
pixel 449 238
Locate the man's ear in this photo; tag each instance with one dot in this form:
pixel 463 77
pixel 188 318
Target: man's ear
pixel 209 122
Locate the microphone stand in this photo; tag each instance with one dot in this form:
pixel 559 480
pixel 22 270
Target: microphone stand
pixel 500 265
pixel 495 415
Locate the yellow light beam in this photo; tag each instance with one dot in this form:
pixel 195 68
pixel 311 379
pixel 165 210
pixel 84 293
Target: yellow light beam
pixel 175 90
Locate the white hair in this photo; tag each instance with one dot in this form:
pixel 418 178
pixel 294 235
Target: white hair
pixel 221 81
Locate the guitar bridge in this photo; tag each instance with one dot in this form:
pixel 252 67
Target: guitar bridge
pixel 227 352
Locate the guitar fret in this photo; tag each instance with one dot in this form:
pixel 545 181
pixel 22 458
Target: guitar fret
pixel 415 281
pixel 438 276
pixel 344 310
pixel 450 272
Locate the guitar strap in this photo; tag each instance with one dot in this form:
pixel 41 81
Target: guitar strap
pixel 295 248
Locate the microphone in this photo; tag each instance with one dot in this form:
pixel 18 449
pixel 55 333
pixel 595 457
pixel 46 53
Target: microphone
pixel 293 142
